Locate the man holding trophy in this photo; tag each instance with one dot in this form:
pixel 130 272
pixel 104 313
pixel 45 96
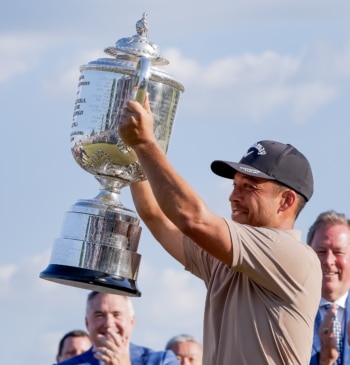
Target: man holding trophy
pixel 263 284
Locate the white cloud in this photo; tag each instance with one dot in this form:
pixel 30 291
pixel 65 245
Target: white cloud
pixel 253 85
pixel 251 69
pixel 181 68
pixel 256 85
pixel 19 53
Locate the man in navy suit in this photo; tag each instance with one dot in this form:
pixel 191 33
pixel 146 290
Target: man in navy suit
pixel 329 236
pixel 110 320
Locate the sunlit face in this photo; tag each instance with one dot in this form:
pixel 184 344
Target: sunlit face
pixel 73 346
pixel 188 353
pixel 109 311
pixel 255 201
pixel 332 245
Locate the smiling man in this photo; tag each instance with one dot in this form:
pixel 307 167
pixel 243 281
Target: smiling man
pixel 110 320
pixel 329 236
pixel 263 284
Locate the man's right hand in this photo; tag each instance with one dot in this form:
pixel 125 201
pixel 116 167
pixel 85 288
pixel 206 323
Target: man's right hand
pixel 329 353
pixel 113 349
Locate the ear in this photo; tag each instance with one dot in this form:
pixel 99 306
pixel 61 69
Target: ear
pixel 133 321
pixel 288 199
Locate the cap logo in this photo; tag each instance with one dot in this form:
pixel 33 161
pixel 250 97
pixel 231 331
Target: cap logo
pixel 247 170
pixel 258 147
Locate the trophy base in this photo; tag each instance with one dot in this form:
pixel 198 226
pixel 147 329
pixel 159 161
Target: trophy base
pixel 90 279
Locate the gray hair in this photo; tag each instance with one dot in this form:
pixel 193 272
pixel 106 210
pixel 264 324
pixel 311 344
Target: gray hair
pixel 181 338
pixel 330 217
pixel 92 294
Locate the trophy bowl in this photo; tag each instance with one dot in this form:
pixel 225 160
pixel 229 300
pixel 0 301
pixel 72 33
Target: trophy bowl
pixel 97 248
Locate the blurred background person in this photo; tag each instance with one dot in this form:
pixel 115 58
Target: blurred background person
pixel 110 321
pixel 329 236
pixel 187 349
pixel 73 343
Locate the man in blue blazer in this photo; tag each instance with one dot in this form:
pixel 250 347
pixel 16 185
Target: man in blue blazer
pixel 329 236
pixel 110 320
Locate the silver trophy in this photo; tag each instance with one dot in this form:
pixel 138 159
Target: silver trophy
pixel 97 249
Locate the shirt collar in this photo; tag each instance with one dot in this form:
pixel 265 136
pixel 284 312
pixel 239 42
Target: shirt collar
pixel 341 302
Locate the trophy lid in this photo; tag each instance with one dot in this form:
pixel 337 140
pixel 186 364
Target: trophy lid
pixel 132 48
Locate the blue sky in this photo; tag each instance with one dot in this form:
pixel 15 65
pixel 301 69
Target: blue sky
pixel 252 70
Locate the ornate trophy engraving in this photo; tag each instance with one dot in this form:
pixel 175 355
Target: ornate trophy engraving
pixel 97 249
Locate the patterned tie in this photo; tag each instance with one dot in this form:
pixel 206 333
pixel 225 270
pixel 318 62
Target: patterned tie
pixel 337 334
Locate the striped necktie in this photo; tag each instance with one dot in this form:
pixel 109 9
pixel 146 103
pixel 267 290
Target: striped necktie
pixel 337 334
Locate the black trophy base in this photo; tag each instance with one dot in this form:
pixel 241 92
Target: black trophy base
pixel 90 279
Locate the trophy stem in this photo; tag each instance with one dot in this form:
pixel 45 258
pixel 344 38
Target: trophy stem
pixel 110 192
pixel 111 184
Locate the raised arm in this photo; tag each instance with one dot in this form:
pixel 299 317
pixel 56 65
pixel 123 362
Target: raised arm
pixel 174 196
pixel 164 231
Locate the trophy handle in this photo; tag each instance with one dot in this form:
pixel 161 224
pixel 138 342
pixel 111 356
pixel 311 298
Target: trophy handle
pixel 138 90
pixel 141 80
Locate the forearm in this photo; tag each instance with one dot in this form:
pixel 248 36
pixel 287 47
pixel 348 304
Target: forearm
pixel 165 232
pixel 145 202
pixel 179 202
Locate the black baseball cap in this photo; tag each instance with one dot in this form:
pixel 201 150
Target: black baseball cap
pixel 274 161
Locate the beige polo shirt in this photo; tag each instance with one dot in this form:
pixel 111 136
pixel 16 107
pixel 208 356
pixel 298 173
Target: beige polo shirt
pixel 262 309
